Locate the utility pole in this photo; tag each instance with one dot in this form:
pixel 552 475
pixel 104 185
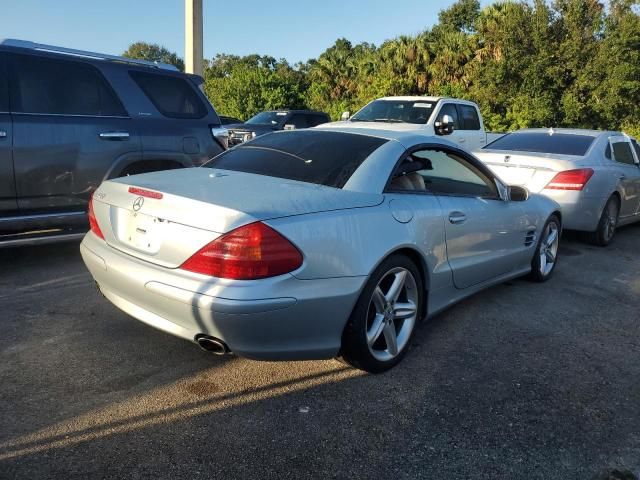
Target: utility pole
pixel 193 52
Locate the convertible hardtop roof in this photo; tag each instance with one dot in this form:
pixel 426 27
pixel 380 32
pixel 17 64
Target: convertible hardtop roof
pixel 569 131
pixel 408 138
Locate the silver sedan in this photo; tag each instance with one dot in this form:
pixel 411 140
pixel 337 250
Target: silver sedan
pixel 593 175
pixel 314 243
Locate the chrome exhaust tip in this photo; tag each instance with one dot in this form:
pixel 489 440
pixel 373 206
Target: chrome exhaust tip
pixel 212 344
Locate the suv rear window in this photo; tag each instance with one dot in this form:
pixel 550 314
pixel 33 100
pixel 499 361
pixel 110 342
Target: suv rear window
pixel 556 143
pixel 173 96
pixel 60 87
pixel 320 157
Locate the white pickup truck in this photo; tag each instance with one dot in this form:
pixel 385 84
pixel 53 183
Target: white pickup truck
pixel 460 119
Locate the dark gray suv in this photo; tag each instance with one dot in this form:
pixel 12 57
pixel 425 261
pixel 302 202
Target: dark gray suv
pixel 70 119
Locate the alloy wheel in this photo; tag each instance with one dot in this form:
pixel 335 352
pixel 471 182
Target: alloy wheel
pixel 610 221
pixel 392 314
pixel 549 248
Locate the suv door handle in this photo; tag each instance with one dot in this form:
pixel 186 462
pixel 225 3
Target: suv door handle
pixel 114 135
pixel 457 217
pixel 3 134
pixel 622 177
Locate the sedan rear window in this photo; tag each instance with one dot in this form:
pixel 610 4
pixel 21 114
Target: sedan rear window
pixel 543 142
pixel 312 156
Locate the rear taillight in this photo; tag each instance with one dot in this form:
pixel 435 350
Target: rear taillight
pixel 93 222
pixel 246 253
pixel 570 179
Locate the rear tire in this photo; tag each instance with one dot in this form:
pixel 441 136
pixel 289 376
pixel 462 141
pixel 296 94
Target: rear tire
pixel 382 323
pixel 606 230
pixel 545 258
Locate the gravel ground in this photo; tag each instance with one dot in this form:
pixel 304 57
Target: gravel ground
pixel 520 381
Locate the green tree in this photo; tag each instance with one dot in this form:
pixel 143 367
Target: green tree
pixel 153 53
pixel 243 86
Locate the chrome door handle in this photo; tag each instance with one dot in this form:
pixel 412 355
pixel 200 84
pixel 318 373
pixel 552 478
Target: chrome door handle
pixel 622 177
pixel 461 140
pixel 114 135
pixel 457 217
pixel 3 134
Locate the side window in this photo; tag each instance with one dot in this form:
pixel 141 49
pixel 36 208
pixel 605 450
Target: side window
pixel 299 120
pixel 62 87
pixel 451 110
pixel 174 97
pixel 636 147
pixel 443 173
pixel 622 153
pixel 317 120
pixel 470 119
pixel 4 85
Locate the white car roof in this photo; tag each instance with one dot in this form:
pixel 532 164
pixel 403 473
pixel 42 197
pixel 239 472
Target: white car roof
pixel 412 98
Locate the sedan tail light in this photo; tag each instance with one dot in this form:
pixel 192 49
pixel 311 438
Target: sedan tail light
pixel 93 221
pixel 570 179
pixel 246 253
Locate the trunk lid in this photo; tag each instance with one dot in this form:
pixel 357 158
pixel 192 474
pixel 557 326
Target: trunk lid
pixel 200 204
pixel 532 170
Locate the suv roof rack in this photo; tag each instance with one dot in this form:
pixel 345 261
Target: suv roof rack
pixel 11 42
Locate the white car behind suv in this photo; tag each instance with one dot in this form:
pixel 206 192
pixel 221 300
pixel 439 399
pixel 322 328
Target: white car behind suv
pixel 460 119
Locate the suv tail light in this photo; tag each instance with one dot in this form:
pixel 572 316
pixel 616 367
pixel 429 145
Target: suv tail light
pixel 93 222
pixel 570 179
pixel 247 253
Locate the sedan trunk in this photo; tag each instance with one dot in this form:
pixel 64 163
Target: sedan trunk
pixel 531 170
pixel 164 217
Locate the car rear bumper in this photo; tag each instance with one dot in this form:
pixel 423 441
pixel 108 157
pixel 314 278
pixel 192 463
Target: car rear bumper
pixel 278 318
pixel 579 212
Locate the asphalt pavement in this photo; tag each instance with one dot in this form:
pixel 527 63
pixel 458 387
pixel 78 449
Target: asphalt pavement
pixel 522 381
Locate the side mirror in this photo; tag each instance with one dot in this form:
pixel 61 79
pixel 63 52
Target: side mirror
pixel 444 126
pixel 518 193
pixel 222 134
pixel 345 116
pixel 289 127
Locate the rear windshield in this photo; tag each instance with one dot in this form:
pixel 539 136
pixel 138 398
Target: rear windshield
pixel 320 157
pixel 543 142
pixel 173 96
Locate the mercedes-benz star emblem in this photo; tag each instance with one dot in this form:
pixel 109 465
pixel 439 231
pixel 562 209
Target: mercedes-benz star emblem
pixel 507 158
pixel 137 204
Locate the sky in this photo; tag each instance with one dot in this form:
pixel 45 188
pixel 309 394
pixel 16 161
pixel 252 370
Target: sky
pixel 293 29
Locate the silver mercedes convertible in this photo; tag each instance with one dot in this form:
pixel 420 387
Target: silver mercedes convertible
pixel 315 243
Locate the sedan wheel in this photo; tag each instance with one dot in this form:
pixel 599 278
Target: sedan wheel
pixel 380 328
pixel 546 256
pixel 607 224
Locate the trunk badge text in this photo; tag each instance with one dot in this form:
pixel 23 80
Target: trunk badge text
pixel 137 204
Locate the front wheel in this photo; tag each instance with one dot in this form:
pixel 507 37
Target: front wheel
pixel 382 323
pixel 606 226
pixel 545 258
